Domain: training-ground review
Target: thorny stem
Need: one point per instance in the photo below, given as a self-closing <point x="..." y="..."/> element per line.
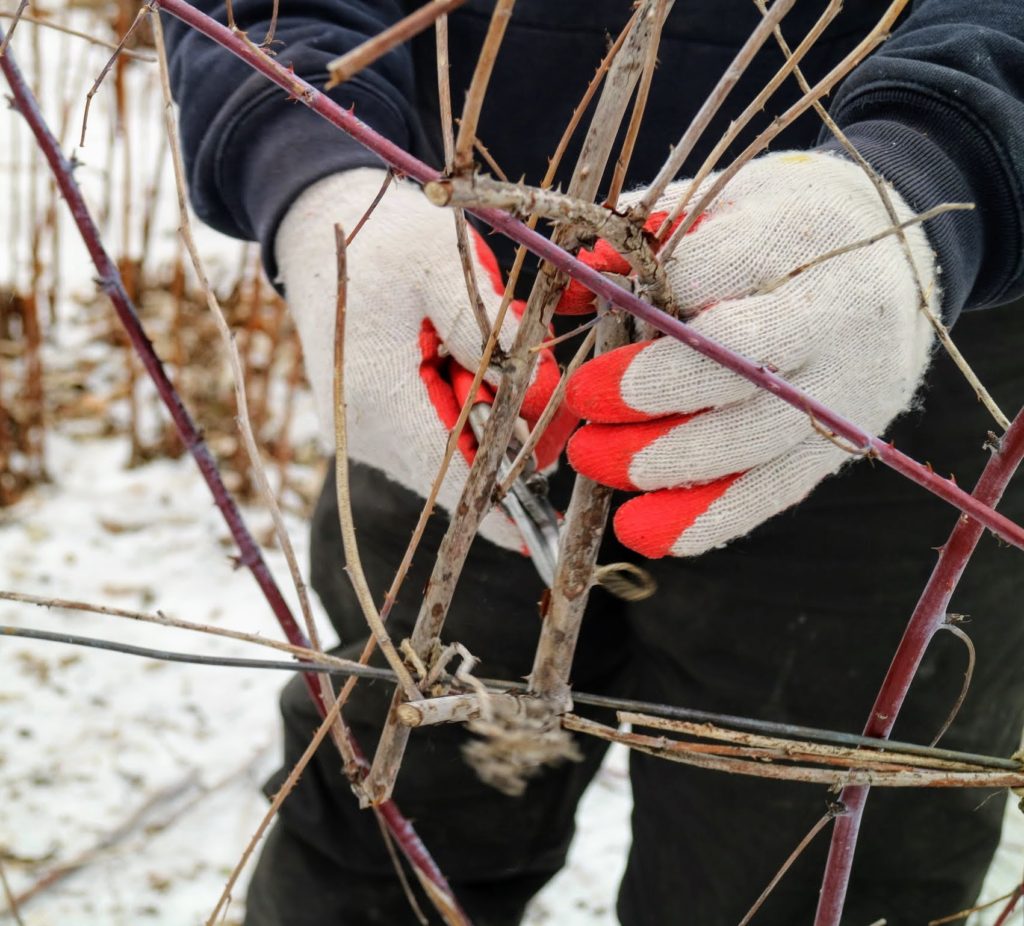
<point x="67" y="30"/>
<point x="143" y="11"/>
<point x="250" y="555"/>
<point x="580" y="544"/>
<point x="941" y="331"/>
<point x="871" y="41"/>
<point x="928" y="616"/>
<point x="756" y="373"/>
<point x="244" y="418"/>
<point x="362" y="56"/>
<point x="16" y="18"/>
<point x="477" y="492"/>
<point x="478" y="84"/>
<point x="110" y="282"/>
<point x="677" y="157"/>
<point x="588" y="219"/>
<point x="353" y="562"/>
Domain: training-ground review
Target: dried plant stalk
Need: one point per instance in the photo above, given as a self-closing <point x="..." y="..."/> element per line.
<point x="695" y="130"/>
<point x="546" y="416"/>
<point x="444" y="95"/>
<point x="660" y="14"/>
<point x="339" y="734"/>
<point x="477" y="492"/>
<point x="106" y="70"/>
<point x="12" y="903"/>
<point x="164" y="620"/>
<point x="771" y="285"/>
<point x="582" y="534"/>
<point x="16" y="17"/>
<point x="676" y="751"/>
<point x="858" y="756"/>
<point x="502" y="13"/>
<point x="868" y="44"/>
<point x="353" y="562"/>
<point x="392" y="594"/>
<point x="458" y="708"/>
<point x="941" y="331"/>
<point x="362" y="56"/>
<point x="786" y="865"/>
<point x="775" y="740"/>
<point x="330" y="720"/>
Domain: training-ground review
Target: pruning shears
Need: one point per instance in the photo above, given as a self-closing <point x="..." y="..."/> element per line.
<point x="526" y="504"/>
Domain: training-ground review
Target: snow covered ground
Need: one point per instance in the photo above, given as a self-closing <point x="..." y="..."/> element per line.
<point x="149" y="772"/>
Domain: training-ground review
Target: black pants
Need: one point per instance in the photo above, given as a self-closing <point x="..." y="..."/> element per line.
<point x="795" y="623"/>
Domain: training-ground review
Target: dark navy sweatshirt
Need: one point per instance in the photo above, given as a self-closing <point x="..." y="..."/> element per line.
<point x="938" y="109"/>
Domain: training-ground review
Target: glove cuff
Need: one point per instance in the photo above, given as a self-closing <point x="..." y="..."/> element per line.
<point x="340" y="198"/>
<point x="926" y="177"/>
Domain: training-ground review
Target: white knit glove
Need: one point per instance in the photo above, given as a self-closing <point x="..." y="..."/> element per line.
<point x="714" y="455"/>
<point x="406" y="295"/>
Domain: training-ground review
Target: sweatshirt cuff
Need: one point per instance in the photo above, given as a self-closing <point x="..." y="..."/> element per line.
<point x="271" y="150"/>
<point x="925" y="176"/>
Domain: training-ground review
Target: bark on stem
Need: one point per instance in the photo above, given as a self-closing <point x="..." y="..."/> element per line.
<point x="870" y="42"/>
<point x="478" y="85"/>
<point x="928" y="617"/>
<point x="478" y="491"/>
<point x="590" y="220"/>
<point x="754" y="372"/>
<point x="941" y="331"/>
<point x="675" y="751"/>
<point x="582" y="534"/>
<point x="353" y="561"/>
<point x="249" y="553"/>
<point x="362" y="56"/>
<point x="678" y="155"/>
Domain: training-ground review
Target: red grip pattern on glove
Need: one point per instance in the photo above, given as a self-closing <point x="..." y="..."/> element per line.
<point x="447" y="382"/>
<point x="577" y="299"/>
<point x="652" y="523"/>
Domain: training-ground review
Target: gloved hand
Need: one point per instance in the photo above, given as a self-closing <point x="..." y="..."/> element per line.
<point x="406" y="298"/>
<point x="714" y="455"/>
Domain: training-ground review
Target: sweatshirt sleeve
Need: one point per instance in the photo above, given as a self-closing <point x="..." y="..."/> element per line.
<point x="248" y="153"/>
<point x="938" y="110"/>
